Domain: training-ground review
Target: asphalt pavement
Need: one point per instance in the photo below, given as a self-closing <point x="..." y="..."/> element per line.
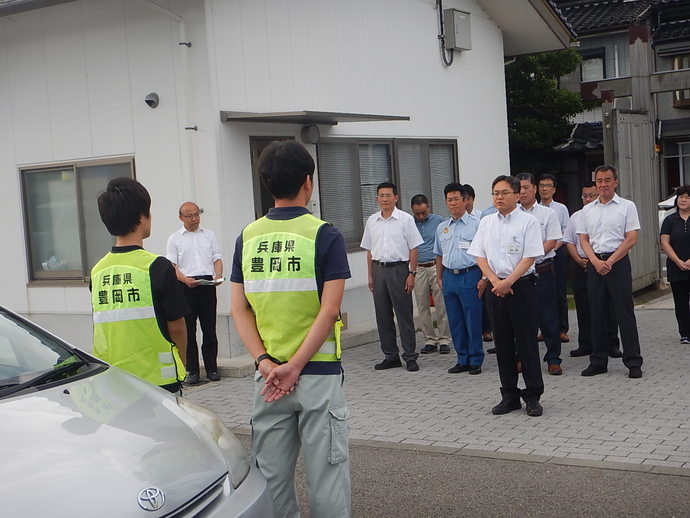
<point x="604" y="443"/>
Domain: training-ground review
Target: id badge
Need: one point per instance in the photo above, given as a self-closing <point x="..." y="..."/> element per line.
<point x="514" y="249"/>
<point x="463" y="245"/>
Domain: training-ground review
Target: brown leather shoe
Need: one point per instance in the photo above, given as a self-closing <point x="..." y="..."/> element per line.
<point x="555" y="370"/>
<point x="565" y="338"/>
<point x="540" y="337"/>
<point x="487" y="337"/>
<point x="518" y="366"/>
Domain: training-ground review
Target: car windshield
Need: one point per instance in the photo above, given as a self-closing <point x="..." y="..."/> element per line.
<point x="30" y="357"/>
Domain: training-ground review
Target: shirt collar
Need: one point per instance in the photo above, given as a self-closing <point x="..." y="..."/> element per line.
<point x="395" y="214"/>
<point x="531" y="209"/>
<point x="616" y="199"/>
<point x="185" y="231"/>
<point x="462" y="218"/>
<point x="509" y="216"/>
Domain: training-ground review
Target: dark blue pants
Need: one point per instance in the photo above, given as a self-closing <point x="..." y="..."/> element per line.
<point x="547" y="310"/>
<point x="464" y="310"/>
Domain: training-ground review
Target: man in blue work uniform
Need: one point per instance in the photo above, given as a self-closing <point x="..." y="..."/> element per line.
<point x="426" y="281"/>
<point x="461" y="280"/>
<point x="287" y="282"/>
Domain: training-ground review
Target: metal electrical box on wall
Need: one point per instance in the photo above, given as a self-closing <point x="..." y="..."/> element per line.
<point x="456" y="28"/>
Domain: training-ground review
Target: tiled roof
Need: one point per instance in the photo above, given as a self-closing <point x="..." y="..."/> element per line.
<point x="678" y="30"/>
<point x="585" y="136"/>
<point x="599" y="15"/>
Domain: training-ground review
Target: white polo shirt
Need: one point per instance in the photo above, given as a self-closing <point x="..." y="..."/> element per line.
<point x="607" y="223"/>
<point x="561" y="211"/>
<point x="548" y="226"/>
<point x="505" y="240"/>
<point x="570" y="234"/>
<point x="193" y="252"/>
<point x="390" y="240"/>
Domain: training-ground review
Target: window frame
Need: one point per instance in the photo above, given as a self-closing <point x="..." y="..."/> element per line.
<point x="62" y="278"/>
<point x="394" y="143"/>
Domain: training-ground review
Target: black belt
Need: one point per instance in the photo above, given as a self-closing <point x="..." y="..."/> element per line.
<point x="203" y="277"/>
<point x="458" y="271"/>
<point x="384" y="264"/>
<point x="426" y="265"/>
<point x="605" y="256"/>
<point x="546" y="261"/>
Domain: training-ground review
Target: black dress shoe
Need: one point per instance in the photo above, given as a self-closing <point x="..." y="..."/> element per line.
<point x="444" y="349"/>
<point x="635" y="372"/>
<point x="428" y="349"/>
<point x="534" y="409"/>
<point x="616" y="353"/>
<point x="491" y="350"/>
<point x="213" y="376"/>
<point x="388" y="364"/>
<point x="412" y="366"/>
<point x="505" y="406"/>
<point x="193" y="378"/>
<point x="592" y="370"/>
<point x="458" y="367"/>
<point x="475" y="369"/>
<point x="579" y="352"/>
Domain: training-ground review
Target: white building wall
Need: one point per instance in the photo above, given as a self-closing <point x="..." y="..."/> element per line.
<point x="73" y="80"/>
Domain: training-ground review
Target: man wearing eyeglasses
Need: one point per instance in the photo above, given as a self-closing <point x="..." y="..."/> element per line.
<point x="195" y="253"/>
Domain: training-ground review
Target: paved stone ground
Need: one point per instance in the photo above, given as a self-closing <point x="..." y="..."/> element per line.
<point x="606" y="420"/>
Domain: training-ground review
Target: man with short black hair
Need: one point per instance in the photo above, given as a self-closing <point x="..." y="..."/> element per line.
<point x="608" y="230"/>
<point x="138" y="309"/>
<point x="505" y="246"/>
<point x="391" y="240"/>
<point x="288" y="279"/>
<point x="547" y="188"/>
<point x="426" y="281"/>
<point x="469" y="202"/>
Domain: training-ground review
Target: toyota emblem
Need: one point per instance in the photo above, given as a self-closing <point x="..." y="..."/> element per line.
<point x="151" y="499"/>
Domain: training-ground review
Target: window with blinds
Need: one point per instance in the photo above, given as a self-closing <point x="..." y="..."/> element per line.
<point x="349" y="171"/>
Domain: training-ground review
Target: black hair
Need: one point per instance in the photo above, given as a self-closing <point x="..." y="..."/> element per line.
<point x="387" y="185"/>
<point x="122" y="205"/>
<point x="548" y="176"/>
<point x="470" y="190"/>
<point x="512" y="181"/>
<point x="683" y="189"/>
<point x="526" y="176"/>
<point x="588" y="185"/>
<point x="419" y="199"/>
<point x="455" y="187"/>
<point x="606" y="168"/>
<point x="283" y="168"/>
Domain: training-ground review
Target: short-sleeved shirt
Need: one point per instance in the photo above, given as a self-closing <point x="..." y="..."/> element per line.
<point x="453" y="239"/>
<point x="427" y="229"/>
<point x="607" y="223"/>
<point x="505" y="240"/>
<point x="548" y="225"/>
<point x="488" y="211"/>
<point x="193" y="252"/>
<point x="391" y="239"/>
<point x="677" y="229"/>
<point x="570" y="234"/>
<point x="331" y="253"/>
<point x="561" y="211"/>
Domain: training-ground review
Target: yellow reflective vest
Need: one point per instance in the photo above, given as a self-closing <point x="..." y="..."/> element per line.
<point x="125" y="329"/>
<point x="279" y="271"/>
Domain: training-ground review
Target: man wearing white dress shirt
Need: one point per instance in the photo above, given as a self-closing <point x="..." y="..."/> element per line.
<point x="547" y="297"/>
<point x="506" y="245"/>
<point x="391" y="239"/>
<point x="195" y="253"/>
<point x="584" y="323"/>
<point x="547" y="188"/>
<point x="608" y="230"/>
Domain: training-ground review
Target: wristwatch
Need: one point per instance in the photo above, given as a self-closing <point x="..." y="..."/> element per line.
<point x="412" y="273"/>
<point x="261" y="357"/>
<point x="485" y="278"/>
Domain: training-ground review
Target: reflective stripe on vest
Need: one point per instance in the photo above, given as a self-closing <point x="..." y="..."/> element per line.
<point x="279" y="271"/>
<point x="126" y="332"/>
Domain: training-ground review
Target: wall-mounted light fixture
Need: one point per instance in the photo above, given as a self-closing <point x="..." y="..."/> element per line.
<point x="152" y="100"/>
<point x="311" y="134"/>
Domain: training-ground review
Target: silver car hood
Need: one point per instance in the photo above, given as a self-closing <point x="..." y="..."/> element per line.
<point x="88" y="448"/>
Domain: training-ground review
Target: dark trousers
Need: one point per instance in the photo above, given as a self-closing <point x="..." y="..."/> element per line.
<point x="561" y="262"/>
<point x="681" y="301"/>
<point x="486" y="323"/>
<point x="584" y="323"/>
<point x="389" y="297"/>
<point x="514" y="319"/>
<point x="613" y="290"/>
<point x="202" y="302"/>
<point x="547" y="315"/>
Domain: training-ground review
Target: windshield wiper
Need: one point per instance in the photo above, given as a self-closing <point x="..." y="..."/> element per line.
<point x="61" y="370"/>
